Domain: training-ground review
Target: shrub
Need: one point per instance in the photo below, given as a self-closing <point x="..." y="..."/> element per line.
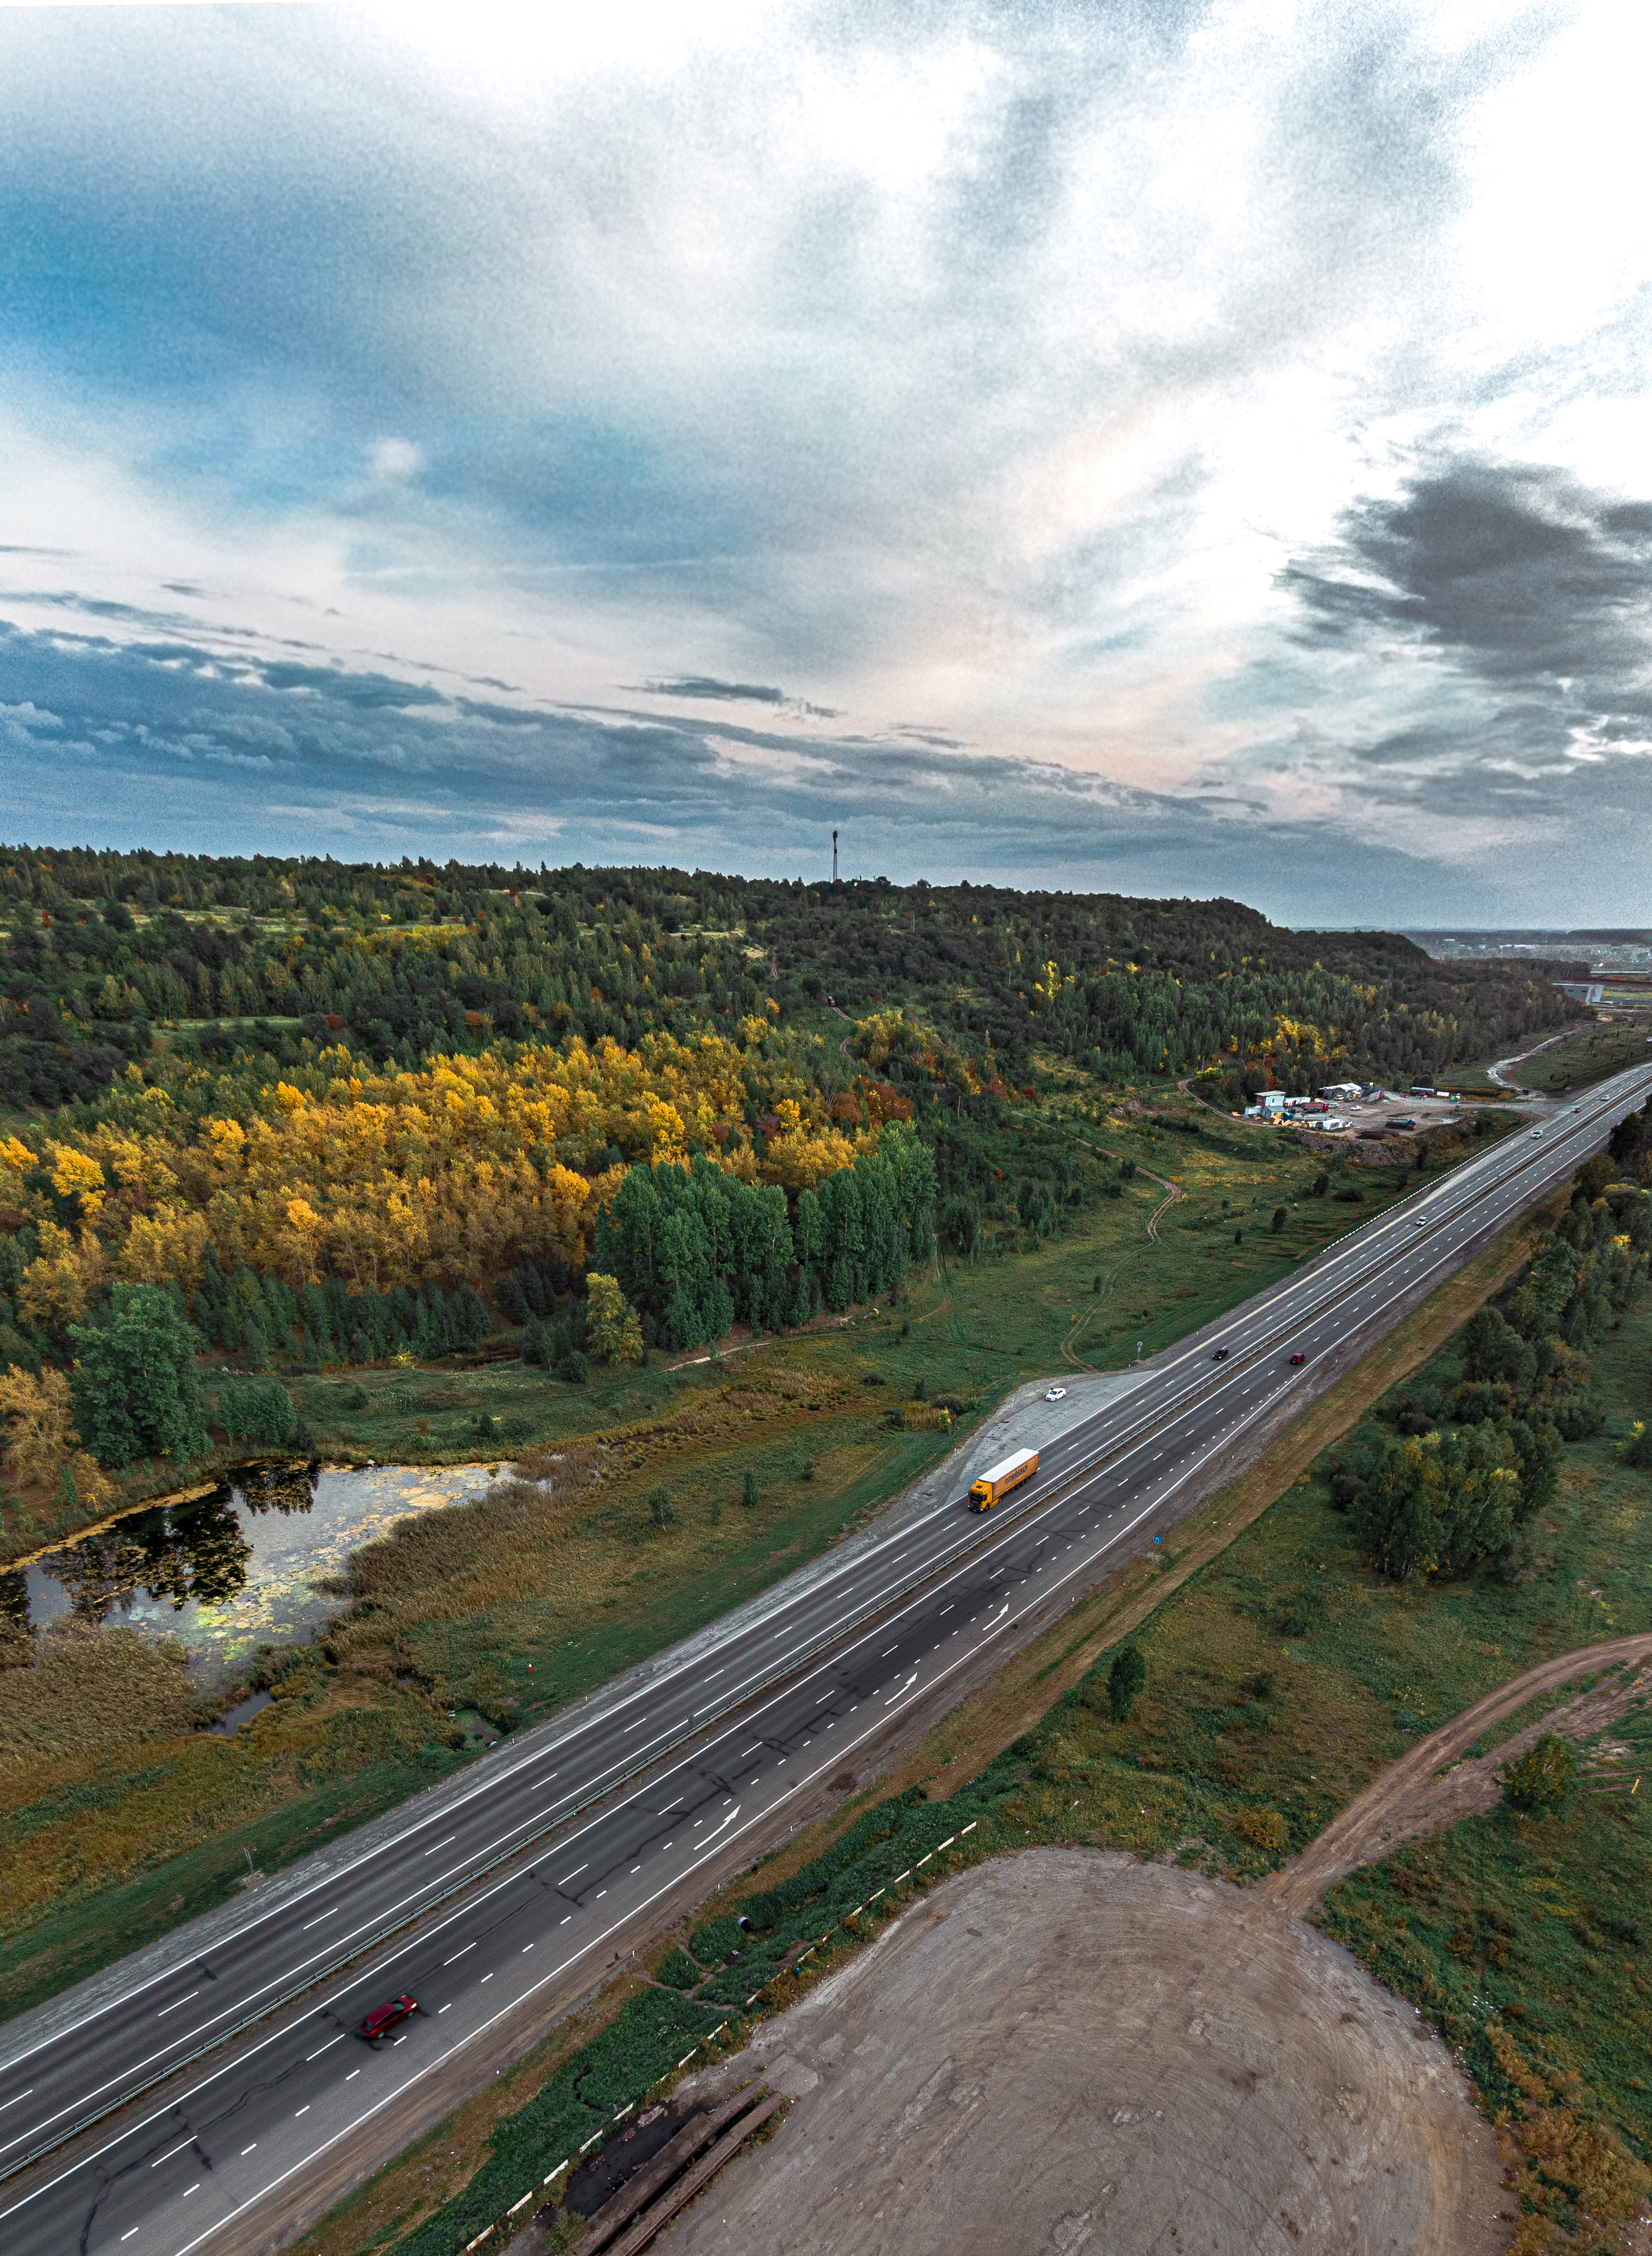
<point x="658" y="1501"/>
<point x="677" y="1970"/>
<point x="1265" y="1827"/>
<point x="748" y="1491"/>
<point x="1125" y="1681"/>
<point x="260" y="1410"/>
<point x="1279" y="1220"/>
<point x="1540" y="1777"/>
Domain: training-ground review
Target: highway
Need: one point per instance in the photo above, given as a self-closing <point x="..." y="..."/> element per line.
<point x="619" y="1809"/>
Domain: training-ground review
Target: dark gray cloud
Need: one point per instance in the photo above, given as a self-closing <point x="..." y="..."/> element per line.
<point x="1535" y="585"/>
<point x="704" y="685"/>
<point x="156" y="744"/>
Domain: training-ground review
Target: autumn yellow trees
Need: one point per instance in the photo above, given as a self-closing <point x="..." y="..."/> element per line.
<point x="43" y="1448"/>
<point x="391" y="1177"/>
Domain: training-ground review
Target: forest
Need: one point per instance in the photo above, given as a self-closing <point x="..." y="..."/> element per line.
<point x="105" y="952"/>
<point x="331" y="1114"/>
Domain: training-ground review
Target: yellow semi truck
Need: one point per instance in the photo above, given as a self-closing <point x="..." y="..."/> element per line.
<point x="997" y="1481"/>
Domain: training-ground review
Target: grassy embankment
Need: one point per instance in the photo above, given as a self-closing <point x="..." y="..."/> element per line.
<point x="1281" y="1676"/>
<point x="1580" y="1057"/>
<point x="119" y="1820"/>
<point x="1588" y="1053"/>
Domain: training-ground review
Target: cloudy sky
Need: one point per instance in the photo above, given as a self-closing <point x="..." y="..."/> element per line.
<point x="1177" y="448"/>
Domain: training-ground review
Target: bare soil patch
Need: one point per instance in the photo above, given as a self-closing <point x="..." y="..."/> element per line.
<point x="1068" y="2050"/>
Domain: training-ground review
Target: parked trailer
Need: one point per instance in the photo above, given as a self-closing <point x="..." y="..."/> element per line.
<point x="998" y="1480"/>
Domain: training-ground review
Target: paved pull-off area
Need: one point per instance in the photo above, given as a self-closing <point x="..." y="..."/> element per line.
<point x="1067" y="2050"/>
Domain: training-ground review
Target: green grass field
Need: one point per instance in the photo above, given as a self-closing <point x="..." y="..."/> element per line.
<point x="1590" y="1052"/>
<point x="1586" y="1056"/>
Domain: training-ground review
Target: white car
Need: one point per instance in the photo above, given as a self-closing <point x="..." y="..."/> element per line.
<point x="1535" y="1133"/>
<point x="1056" y="1394"/>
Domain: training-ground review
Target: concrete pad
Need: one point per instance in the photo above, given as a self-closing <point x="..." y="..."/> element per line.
<point x="1069" y="2051"/>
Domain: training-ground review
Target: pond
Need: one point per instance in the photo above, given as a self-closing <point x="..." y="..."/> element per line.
<point x="236" y="1569"/>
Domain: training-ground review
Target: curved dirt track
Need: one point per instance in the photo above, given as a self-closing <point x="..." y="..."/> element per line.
<point x="1067" y="2050"/>
<point x="1408" y="1799"/>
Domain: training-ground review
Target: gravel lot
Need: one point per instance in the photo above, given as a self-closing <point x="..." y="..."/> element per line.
<point x="1067" y="2050"/>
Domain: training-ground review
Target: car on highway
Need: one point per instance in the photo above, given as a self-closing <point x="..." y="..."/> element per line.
<point x="1056" y="1394"/>
<point x="1535" y="1133"/>
<point x="386" y="2017"/>
<point x="1220" y="1356"/>
<point x="1299" y="1357"/>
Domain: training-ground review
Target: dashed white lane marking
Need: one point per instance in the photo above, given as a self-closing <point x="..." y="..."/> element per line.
<point x="172" y="2008"/>
<point x="170" y="2152"/>
<point x="447" y="1844"/>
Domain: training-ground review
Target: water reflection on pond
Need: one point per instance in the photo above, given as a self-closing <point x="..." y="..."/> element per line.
<point x="235" y="1569"/>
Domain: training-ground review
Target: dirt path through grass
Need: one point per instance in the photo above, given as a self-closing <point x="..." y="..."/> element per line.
<point x="1410" y="1798"/>
<point x="1495" y="1072"/>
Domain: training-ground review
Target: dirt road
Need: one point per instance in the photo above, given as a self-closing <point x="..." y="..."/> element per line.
<point x="1410" y="1799"/>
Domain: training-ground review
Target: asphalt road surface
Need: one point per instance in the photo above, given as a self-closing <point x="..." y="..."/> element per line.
<point x="709" y="1750"/>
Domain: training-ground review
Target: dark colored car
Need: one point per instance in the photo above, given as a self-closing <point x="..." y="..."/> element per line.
<point x="1299" y="1357"/>
<point x="386" y="2017"/>
<point x="1220" y="1356"/>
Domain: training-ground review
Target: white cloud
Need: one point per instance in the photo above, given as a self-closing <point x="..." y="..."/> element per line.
<point x="396" y="460"/>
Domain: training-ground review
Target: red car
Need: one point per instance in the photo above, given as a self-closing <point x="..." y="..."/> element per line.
<point x="1299" y="1357"/>
<point x="386" y="2017"/>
